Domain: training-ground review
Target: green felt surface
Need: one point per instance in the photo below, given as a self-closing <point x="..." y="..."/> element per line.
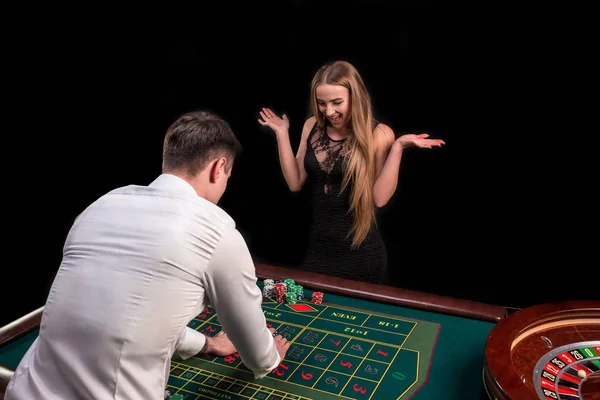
<point x="343" y="348"/>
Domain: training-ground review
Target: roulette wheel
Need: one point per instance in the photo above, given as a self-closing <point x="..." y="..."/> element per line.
<point x="547" y="351"/>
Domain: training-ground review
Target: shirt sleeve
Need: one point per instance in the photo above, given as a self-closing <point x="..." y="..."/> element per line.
<point x="231" y="287"/>
<point x="190" y="343"/>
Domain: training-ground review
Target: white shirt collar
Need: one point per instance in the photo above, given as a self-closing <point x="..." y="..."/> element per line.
<point x="172" y="182"/>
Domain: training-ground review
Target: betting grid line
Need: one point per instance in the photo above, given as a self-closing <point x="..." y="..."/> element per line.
<point x="185" y="369"/>
<point x="302" y="329"/>
<point x="373" y="329"/>
<point x="354" y="373"/>
<point x="363" y="358"/>
<point x="341" y="351"/>
<point x="231" y="382"/>
<point x="348" y="323"/>
<point x="279" y="307"/>
<point x="324" y="369"/>
<point x="367" y="340"/>
<point x="414" y="322"/>
<point x="206" y="320"/>
<point x="388" y="367"/>
<point x="362" y="311"/>
<point x="417" y="375"/>
<point x="418" y="364"/>
<point x="227" y="380"/>
<point x="389" y="364"/>
<point x="316" y="347"/>
<point x="369" y="315"/>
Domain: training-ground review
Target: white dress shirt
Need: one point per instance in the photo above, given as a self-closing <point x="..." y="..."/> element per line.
<point x="138" y="265"/>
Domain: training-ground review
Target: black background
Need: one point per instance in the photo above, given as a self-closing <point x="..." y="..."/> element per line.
<point x="502" y="214"/>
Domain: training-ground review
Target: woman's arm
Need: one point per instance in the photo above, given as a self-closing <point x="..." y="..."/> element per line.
<point x="388" y="155"/>
<point x="292" y="166"/>
<point x="387" y="164"/>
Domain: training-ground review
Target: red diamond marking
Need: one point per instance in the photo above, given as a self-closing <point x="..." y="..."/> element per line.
<point x="301" y="307"/>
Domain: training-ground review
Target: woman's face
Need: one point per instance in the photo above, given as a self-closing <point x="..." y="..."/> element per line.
<point x="334" y="102"/>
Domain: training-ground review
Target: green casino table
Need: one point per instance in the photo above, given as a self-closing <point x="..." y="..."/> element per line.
<point x="364" y="341"/>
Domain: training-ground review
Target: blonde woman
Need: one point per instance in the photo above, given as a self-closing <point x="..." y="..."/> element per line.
<point x="351" y="163"/>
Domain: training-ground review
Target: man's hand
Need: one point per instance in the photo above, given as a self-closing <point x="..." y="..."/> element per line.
<point x="281" y="343"/>
<point x="220" y="345"/>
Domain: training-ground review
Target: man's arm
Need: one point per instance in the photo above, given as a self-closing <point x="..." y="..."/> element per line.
<point x="230" y="284"/>
<point x="190" y="343"/>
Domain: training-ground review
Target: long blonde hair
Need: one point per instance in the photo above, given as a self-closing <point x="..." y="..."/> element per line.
<point x="358" y="147"/>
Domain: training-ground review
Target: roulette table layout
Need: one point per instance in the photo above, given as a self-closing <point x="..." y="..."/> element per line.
<point x="548" y="352"/>
<point x="363" y="342"/>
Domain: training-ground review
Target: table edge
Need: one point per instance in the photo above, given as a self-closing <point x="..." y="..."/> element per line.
<point x="385" y="294"/>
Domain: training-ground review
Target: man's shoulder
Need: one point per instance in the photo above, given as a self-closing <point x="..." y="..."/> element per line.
<point x="194" y="204"/>
<point x="218" y="213"/>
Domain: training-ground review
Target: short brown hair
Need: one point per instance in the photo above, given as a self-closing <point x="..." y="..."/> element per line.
<point x="196" y="138"/>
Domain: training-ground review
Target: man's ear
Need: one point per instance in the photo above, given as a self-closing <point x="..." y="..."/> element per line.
<point x="217" y="168"/>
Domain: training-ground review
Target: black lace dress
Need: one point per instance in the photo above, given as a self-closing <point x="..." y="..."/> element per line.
<point x="329" y="250"/>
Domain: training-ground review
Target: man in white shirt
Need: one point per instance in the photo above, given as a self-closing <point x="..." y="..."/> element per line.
<point x="138" y="265"/>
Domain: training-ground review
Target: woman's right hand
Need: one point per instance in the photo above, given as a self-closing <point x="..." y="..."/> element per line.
<point x="279" y="125"/>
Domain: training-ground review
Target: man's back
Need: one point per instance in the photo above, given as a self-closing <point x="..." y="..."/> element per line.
<point x="130" y="280"/>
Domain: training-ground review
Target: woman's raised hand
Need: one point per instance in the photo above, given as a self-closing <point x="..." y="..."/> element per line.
<point x="273" y="121"/>
<point x="422" y="140"/>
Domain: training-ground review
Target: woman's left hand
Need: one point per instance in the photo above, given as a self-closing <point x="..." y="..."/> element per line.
<point x="421" y="140"/>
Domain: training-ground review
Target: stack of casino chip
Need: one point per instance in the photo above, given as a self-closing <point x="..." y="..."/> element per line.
<point x="283" y="291"/>
<point x="317" y="298"/>
<point x="298" y="291"/>
<point x="289" y="284"/>
<point x="291" y="298"/>
<point x="280" y="291"/>
<point x="295" y="293"/>
<point x="268" y="285"/>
